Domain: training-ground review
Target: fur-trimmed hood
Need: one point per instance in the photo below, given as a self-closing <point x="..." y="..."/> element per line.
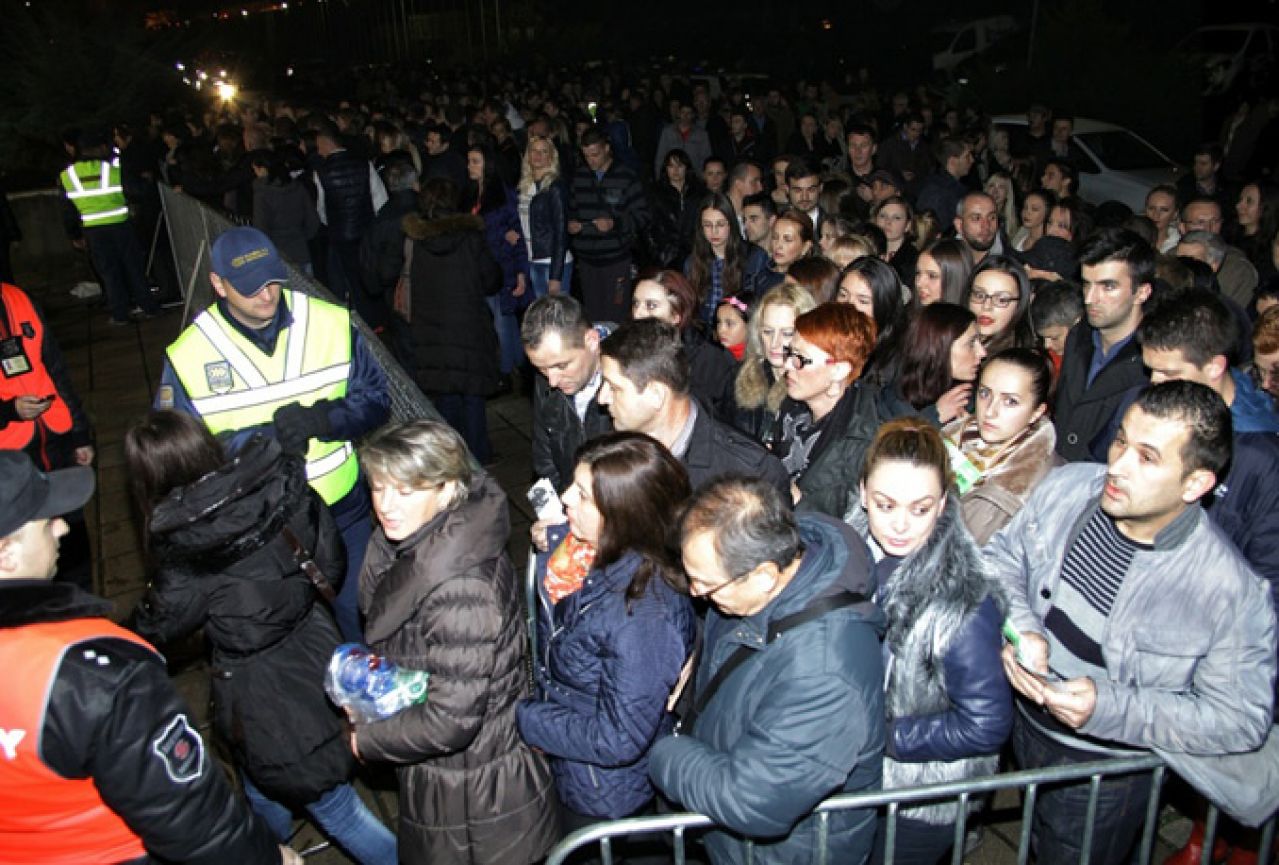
<point x="946" y="575"/>
<point x="444" y="234"/>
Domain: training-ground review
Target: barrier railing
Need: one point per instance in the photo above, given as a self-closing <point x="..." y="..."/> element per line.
<point x="1029" y="782"/>
<point x="193" y="226"/>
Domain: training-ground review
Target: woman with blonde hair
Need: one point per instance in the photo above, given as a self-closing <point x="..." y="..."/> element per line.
<point x="439" y="594"/>
<point x="759" y="389"/>
<point x="543" y="208"/>
<point x="999" y="186"/>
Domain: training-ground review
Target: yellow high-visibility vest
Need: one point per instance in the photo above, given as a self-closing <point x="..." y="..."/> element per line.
<point x="95" y="189"/>
<point x="233" y="384"/>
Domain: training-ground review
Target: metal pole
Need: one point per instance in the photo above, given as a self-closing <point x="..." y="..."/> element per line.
<point x="1030" y="42"/>
<point x="497" y="22"/>
<point x="484" y="39"/>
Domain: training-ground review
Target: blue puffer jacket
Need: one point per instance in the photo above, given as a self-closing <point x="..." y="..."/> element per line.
<point x="513" y="257"/>
<point x="603" y="678"/>
<point x="800" y="721"/>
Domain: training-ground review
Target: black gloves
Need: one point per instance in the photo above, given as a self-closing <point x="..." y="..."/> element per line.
<point x="296" y="425"/>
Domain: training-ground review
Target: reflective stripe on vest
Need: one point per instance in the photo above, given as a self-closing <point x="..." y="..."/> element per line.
<point x="43" y="816"/>
<point x="233" y="385"/>
<point x="17" y="433"/>
<point x="102" y="201"/>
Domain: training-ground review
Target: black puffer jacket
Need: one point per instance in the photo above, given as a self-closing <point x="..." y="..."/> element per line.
<point x="225" y="566"/>
<point x="454" y="343"/>
<point x="446" y="600"/>
<point x="348" y="200"/>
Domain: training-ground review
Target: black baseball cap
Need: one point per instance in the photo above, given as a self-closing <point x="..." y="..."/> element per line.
<point x="27" y="494"/>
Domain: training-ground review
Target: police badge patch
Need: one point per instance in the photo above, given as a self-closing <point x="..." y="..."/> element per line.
<point x="181" y="750"/>
<point x="218" y="376"/>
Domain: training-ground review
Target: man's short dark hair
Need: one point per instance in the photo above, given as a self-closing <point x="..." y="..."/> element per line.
<point x="740" y="170"/>
<point x="1059" y="303"/>
<point x="1205" y="415"/>
<point x="749" y="522"/>
<point x="1121" y="246"/>
<point x="1067" y="170"/>
<point x="950" y="148"/>
<point x="558" y="313"/>
<point x="801" y="167"/>
<point x="649" y="350"/>
<point x="1200" y="198"/>
<point x="1212" y="150"/>
<point x="400" y="175"/>
<point x="592" y="136"/>
<point x="860" y="129"/>
<point x="763" y="201"/>
<point x="1197" y="322"/>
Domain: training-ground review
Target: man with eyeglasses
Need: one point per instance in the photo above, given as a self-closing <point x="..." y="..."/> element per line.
<point x="645" y="387"/>
<point x="801" y="717"/>
<point x="1235" y="273"/>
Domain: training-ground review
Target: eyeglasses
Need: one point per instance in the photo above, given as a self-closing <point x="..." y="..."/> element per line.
<point x="1001" y="300"/>
<point x="799" y="361"/>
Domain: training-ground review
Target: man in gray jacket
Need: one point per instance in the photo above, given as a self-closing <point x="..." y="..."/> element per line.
<point x="1141" y="625"/>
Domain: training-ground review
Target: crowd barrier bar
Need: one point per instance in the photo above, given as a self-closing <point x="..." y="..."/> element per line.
<point x="1027" y="781"/>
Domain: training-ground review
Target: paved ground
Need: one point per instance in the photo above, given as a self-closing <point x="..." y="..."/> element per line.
<point x="116" y="371"/>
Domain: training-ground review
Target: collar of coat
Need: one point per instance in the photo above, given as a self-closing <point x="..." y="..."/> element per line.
<point x="418" y="227"/>
<point x="947" y="570"/>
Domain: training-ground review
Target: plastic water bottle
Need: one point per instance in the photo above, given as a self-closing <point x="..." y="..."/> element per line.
<point x="370" y="687"/>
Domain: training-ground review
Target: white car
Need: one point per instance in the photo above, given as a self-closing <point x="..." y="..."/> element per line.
<point x="1115" y="164"/>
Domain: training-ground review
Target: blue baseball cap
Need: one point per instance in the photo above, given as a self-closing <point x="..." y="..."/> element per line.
<point x="246" y="258"/>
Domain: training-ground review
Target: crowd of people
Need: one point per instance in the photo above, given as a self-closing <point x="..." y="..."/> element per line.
<point x="873" y="455"/>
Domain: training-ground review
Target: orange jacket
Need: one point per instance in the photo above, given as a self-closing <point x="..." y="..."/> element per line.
<point x="44" y="817"/>
<point x="22" y="323"/>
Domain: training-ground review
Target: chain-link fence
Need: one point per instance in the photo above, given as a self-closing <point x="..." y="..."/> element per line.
<point x="193" y="226"/>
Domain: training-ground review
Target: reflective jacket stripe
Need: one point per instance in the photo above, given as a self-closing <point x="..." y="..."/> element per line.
<point x="329" y="462"/>
<point x="269" y="393"/>
<point x="295" y="351"/>
<point x="239" y="361"/>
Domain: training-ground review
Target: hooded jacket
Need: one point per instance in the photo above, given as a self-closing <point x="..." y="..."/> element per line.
<point x="223" y="565"/>
<point x="799" y="722"/>
<point x="607" y="666"/>
<point x="454" y="341"/>
<point x="948" y="702"/>
<point x="445" y="600"/>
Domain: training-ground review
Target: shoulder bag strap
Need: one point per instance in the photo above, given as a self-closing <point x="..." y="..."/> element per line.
<point x="815" y="610"/>
<point x="308" y="565"/>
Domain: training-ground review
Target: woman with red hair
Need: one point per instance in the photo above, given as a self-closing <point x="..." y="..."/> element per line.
<point x="827" y="421"/>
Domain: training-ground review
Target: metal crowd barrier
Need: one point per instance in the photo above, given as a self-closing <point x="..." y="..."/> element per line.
<point x="193" y="226"/>
<point x="1029" y="782"/>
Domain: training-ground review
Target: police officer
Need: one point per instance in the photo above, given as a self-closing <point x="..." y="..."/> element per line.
<point x="99" y="759"/>
<point x="266" y="358"/>
<point x="93" y="185"/>
<point x="40" y="412"/>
